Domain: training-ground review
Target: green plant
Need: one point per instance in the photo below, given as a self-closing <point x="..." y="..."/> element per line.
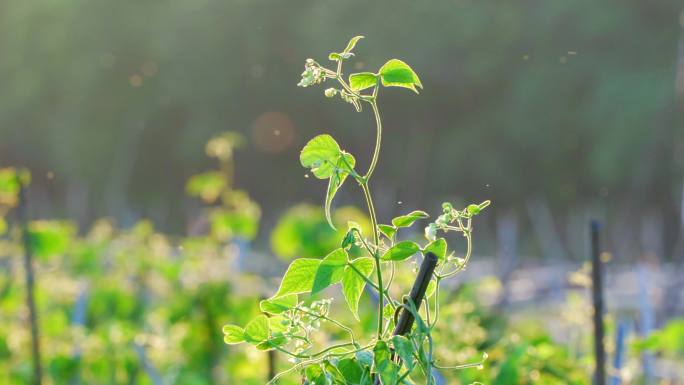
<point x="233" y="213"/>
<point x="387" y="359"/>
<point x="93" y="328"/>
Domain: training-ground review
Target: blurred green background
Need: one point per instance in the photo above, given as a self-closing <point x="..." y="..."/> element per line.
<point x="566" y="108"/>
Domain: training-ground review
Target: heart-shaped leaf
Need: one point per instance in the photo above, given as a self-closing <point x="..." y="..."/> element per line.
<point x="299" y="277"/>
<point x="396" y="73"/>
<point x="321" y="154"/>
<point x="233" y="334"/>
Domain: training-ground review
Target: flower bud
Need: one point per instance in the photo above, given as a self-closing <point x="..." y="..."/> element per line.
<point x="330" y="92"/>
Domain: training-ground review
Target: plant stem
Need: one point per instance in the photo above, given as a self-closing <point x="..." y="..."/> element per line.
<point x="371" y="209"/>
<point x="378" y="139"/>
<point x="376" y="255"/>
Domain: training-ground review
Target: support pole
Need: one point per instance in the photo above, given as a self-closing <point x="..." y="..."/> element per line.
<point x="22" y="214"/>
<point x="597" y="295"/>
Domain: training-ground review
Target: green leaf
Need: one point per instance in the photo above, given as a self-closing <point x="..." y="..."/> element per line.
<point x="330" y="270"/>
<point x="408" y="219"/>
<point x="396" y="73"/>
<point x="278" y="305"/>
<point x="362" y="80"/>
<point x="353" y="283"/>
<point x="334" y="56"/>
<point x="401" y="251"/>
<point x="347" y="241"/>
<point x="334" y="373"/>
<point x="437" y="247"/>
<point x="324" y="157"/>
<point x="352" y="43"/>
<point x="343" y="166"/>
<point x="387" y="231"/>
<point x="277" y="324"/>
<point x="233" y="334"/>
<point x="256" y="330"/>
<point x="315" y="375"/>
<point x="351" y="370"/>
<point x="404" y="349"/>
<point x="272" y="342"/>
<point x="299" y="277"/>
<point x="387" y="369"/>
<point x="364" y="357"/>
<point x="321" y="154"/>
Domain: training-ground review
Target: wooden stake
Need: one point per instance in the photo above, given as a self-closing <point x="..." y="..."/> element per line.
<point x="22" y="214"/>
<point x="597" y="295"/>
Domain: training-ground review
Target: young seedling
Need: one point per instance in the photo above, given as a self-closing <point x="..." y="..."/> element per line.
<point x="389" y="357"/>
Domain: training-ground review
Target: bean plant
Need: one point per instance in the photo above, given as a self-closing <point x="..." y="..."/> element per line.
<point x="294" y="312"/>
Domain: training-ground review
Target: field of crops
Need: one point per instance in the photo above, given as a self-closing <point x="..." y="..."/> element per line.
<point x="136" y="306"/>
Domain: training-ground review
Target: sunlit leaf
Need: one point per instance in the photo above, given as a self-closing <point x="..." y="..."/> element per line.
<point x="315" y="375"/>
<point x="272" y="342"/>
<point x="352" y="43"/>
<point x="387" y="231"/>
<point x="438" y="247"/>
<point x="408" y="219"/>
<point x="321" y="154"/>
<point x="362" y="80"/>
<point x="330" y="270"/>
<point x="299" y="277"/>
<point x="353" y="283"/>
<point x="233" y="334"/>
<point x="396" y="73"/>
<point x="279" y="304"/>
<point x="344" y="165"/>
<point x="256" y="330"/>
<point x="401" y="251"/>
<point x="340" y="56"/>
